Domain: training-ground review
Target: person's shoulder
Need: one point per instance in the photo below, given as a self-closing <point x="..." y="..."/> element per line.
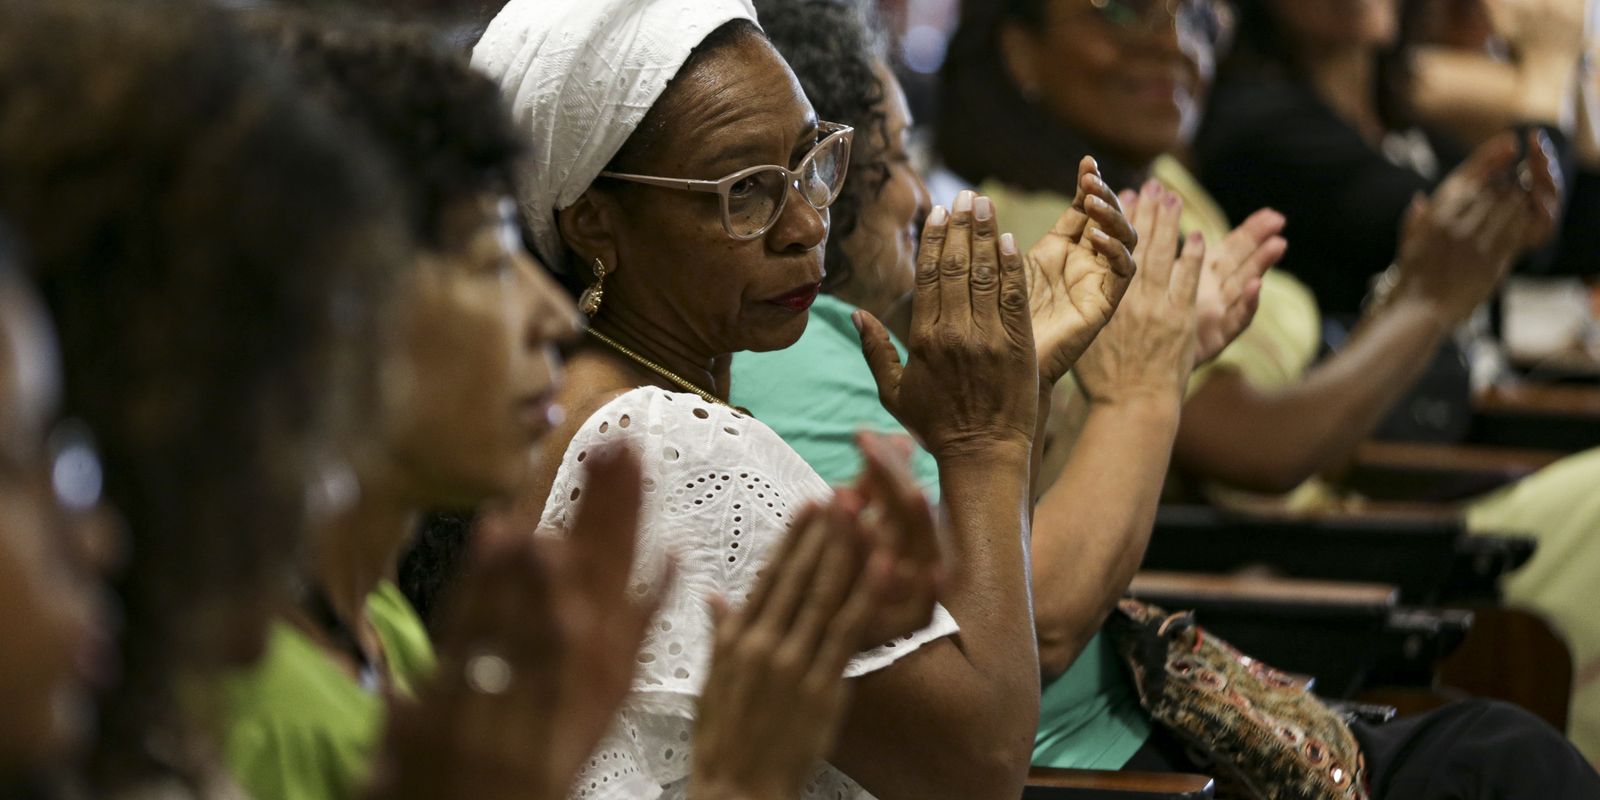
<point x="1261" y="94"/>
<point x="293" y="680"/>
<point x="405" y="637"/>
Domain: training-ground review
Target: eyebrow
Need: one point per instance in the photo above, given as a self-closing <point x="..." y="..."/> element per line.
<point x="807" y="137"/>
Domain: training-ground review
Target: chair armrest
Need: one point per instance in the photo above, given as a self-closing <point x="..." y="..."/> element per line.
<point x="1256" y="594"/>
<point x="1411" y="549"/>
<point x="1090" y="784"/>
<point x="1422" y="548"/>
<point x="1554" y="417"/>
<point x="1436" y="473"/>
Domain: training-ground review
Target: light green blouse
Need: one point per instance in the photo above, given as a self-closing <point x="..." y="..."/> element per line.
<point x="816" y="395"/>
<point x="297" y="727"/>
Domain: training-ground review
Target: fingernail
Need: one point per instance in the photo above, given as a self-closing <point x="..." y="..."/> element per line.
<point x="1171" y="200"/>
<point x="1099" y="235"/>
<point x="1150" y="186"/>
<point x="1093" y="163"/>
<point x="937" y="216"/>
<point x="1008" y="244"/>
<point x="963" y="202"/>
<point x="983" y="209"/>
<point x="856" y="319"/>
<point x="1096" y="202"/>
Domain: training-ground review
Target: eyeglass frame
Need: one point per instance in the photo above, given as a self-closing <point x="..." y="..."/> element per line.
<point x="723" y="185"/>
<point x="1171" y="9"/>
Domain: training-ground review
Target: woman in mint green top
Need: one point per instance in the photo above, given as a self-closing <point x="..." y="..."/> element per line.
<point x="816" y="395"/>
<point x="469" y="373"/>
<point x="1088" y="527"/>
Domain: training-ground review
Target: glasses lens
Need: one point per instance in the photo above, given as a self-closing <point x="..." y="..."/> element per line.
<point x="755" y="200"/>
<point x="823" y="173"/>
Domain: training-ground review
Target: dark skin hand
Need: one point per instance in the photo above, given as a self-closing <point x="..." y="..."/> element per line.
<point x="956" y="717"/>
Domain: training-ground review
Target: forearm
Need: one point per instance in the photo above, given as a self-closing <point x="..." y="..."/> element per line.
<point x="1041" y="437"/>
<point x="956" y="718"/>
<point x="1092" y="526"/>
<point x="1274" y="440"/>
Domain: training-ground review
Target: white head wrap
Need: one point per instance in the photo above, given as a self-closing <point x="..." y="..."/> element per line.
<point x="579" y="76"/>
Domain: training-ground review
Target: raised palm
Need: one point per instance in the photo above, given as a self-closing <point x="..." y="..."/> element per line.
<point x="1078" y="273"/>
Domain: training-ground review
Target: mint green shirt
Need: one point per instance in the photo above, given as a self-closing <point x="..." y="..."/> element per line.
<point x="297" y="726"/>
<point x="816" y="395"/>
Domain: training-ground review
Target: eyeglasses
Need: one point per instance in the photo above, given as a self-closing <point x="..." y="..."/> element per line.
<point x="1132" y="17"/>
<point x="753" y="198"/>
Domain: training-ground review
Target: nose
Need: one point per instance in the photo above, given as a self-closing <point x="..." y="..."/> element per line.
<point x="799" y="227"/>
<point x="552" y="316"/>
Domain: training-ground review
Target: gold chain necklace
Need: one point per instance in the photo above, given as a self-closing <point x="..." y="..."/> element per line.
<point x="671" y="376"/>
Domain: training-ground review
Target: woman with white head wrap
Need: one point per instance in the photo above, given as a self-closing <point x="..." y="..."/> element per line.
<point x="681" y="180"/>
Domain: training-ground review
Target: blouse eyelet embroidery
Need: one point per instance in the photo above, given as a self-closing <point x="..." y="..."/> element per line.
<point x="718" y="496"/>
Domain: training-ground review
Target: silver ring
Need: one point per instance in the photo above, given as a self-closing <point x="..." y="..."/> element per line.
<point x="488" y="673"/>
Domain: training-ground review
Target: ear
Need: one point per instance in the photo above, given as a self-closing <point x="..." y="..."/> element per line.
<point x="588" y="226"/>
<point x="1020" y="51"/>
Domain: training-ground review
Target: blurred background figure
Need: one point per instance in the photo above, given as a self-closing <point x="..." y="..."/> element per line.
<point x="198" y="320"/>
<point x="57" y="622"/>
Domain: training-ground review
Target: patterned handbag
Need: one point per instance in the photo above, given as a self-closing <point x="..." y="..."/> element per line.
<point x="1256" y="731"/>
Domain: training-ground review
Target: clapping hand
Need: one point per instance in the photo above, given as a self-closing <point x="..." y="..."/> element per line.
<point x="1457" y="246"/>
<point x="895" y="516"/>
<point x="1230" y="282"/>
<point x="772" y="704"/>
<point x="971" y="383"/>
<point x="1077" y="274"/>
<point x="1147" y="351"/>
<point x="537" y="653"/>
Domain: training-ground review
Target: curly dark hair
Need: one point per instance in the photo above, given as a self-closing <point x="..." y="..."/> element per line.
<point x="202" y="237"/>
<point x="832" y="46"/>
<point x="442" y="128"/>
<point x="439" y="124"/>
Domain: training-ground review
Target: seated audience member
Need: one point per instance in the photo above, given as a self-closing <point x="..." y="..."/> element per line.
<point x="198" y="234"/>
<point x="629" y="108"/>
<point x="1312" y="116"/>
<point x="56" y="622"/>
<point x="466" y="389"/>
<point x="1269" y="417"/>
<point x="1092" y="522"/>
<point x="471" y="380"/>
<point x="1002" y="49"/>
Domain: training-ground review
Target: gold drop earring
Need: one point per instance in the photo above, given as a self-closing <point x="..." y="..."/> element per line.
<point x="589" y="301"/>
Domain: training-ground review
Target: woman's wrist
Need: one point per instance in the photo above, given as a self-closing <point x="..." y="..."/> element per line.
<point x="985" y="451"/>
<point x="1143" y="408"/>
<point x="1439" y="315"/>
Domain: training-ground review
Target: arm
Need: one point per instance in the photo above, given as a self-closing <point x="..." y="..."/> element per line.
<point x="956" y="718"/>
<point x="1271" y="441"/>
<point x="1078" y="273"/>
<point x="1456" y="250"/>
<point x="1092" y="525"/>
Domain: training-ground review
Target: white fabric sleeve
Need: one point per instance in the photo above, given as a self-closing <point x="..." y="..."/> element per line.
<point x="719" y="490"/>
